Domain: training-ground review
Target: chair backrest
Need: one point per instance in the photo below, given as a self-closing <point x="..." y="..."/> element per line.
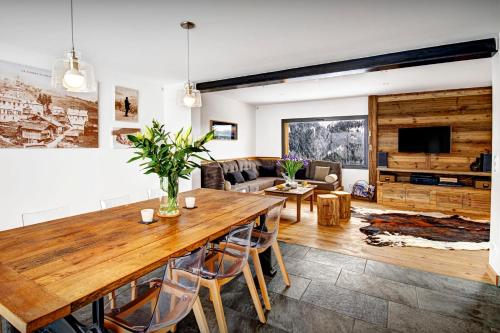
<point x="30" y="218"/>
<point x="154" y="193"/>
<point x="267" y="231"/>
<point x="115" y="201"/>
<point x="233" y="251"/>
<point x="160" y="303"/>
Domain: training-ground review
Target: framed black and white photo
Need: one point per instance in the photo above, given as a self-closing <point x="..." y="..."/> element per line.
<point x="339" y="139"/>
<point x="224" y="130"/>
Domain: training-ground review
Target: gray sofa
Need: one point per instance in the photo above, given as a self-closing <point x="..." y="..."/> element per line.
<point x="213" y="175"/>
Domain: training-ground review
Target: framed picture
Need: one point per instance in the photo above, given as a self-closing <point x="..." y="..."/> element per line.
<point x="35" y="115"/>
<point x="126" y="104"/>
<point x="337" y="139"/>
<point x="120" y="139"/>
<point x="224" y="130"/>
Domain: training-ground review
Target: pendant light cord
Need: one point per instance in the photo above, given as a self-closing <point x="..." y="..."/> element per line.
<point x="72" y="32"/>
<point x="187" y="53"/>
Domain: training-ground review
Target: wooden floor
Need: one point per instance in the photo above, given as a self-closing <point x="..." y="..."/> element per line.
<point x="348" y="239"/>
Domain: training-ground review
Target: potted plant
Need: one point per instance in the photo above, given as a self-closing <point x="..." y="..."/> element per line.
<point x="291" y="164"/>
<point x="170" y="157"/>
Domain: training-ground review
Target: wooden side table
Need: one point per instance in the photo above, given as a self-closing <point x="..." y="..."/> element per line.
<point x="328" y="209"/>
<point x="344" y="205"/>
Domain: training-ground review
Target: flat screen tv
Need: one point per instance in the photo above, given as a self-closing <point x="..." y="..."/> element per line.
<point x="431" y="140"/>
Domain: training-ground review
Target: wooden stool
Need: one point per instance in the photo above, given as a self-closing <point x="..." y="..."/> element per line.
<point x="344" y="205"/>
<point x="328" y="209"/>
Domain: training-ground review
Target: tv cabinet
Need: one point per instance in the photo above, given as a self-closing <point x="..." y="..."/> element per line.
<point x="462" y="200"/>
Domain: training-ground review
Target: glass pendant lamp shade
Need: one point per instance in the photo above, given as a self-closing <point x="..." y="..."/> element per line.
<point x="189" y="96"/>
<point x="72" y="74"/>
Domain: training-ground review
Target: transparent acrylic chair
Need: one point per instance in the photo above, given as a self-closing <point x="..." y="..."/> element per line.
<point x="160" y="303"/>
<point x="30" y="218"/>
<point x="115" y="201"/>
<point x="226" y="261"/>
<point x="264" y="237"/>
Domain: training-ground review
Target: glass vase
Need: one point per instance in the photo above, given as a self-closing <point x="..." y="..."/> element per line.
<point x="289" y="180"/>
<point x="169" y="206"/>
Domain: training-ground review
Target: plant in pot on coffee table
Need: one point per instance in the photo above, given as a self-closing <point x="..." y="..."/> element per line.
<point x="291" y="164"/>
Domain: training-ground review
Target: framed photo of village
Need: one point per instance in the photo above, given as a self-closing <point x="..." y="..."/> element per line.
<point x="35" y="115"/>
<point x="126" y="104"/>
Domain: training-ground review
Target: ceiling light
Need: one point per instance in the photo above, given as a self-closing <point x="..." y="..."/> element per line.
<point x="72" y="74"/>
<point x="189" y="96"/>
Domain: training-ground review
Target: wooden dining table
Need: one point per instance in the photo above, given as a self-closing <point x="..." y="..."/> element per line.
<point x="51" y="269"/>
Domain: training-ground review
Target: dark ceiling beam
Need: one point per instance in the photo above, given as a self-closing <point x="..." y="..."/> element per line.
<point x="476" y="49"/>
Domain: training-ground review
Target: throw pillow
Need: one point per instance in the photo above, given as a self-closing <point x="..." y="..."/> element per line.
<point x="235" y="177"/>
<point x="227" y="186"/>
<point x="301" y="174"/>
<point x="321" y="172"/>
<point x="330" y="179"/>
<point x="249" y="174"/>
<point x="267" y="171"/>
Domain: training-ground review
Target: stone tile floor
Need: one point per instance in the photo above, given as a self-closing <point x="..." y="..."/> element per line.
<point x="333" y="292"/>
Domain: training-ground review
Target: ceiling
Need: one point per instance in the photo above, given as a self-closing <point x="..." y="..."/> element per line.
<point x="460" y="74"/>
<point x="239" y="37"/>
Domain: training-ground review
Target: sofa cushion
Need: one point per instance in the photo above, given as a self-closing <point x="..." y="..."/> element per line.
<point x="335" y="167"/>
<point x="301" y="173"/>
<point x="229" y="166"/>
<point x="249" y="174"/>
<point x="243" y="187"/>
<point x="260" y="183"/>
<point x="235" y="177"/>
<point x="247" y="165"/>
<point x="267" y="171"/>
<point x="320" y="172"/>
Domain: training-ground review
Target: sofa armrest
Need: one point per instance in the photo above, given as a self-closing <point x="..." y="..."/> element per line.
<point x="212" y="176"/>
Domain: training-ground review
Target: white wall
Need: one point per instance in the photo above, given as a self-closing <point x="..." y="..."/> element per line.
<point x="221" y="108"/>
<point x="268" y="125"/>
<point x="38" y="179"/>
<point x="495" y="191"/>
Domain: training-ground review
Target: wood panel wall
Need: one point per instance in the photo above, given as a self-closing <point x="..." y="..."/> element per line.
<point x="467" y="111"/>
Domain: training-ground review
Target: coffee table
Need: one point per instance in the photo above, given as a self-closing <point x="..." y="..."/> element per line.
<point x="300" y="193"/>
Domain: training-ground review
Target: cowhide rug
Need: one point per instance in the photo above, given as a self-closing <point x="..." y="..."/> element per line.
<point x="419" y="229"/>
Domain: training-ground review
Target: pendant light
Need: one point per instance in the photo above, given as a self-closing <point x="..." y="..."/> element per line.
<point x="189" y="96"/>
<point x="72" y="74"/>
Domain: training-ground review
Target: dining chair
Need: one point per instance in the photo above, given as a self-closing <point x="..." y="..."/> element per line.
<point x="115" y="201"/>
<point x="30" y="218"/>
<point x="162" y="302"/>
<point x="225" y="261"/>
<point x="154" y="193"/>
<point x="263" y="238"/>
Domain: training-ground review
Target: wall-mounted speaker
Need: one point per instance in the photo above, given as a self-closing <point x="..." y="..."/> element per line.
<point x="382" y="159"/>
<point x="485" y="161"/>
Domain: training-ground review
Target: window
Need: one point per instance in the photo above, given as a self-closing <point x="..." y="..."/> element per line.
<point x="339" y="139"/>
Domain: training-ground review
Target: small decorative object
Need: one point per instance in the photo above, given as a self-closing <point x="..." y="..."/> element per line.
<point x="362" y="190"/>
<point x="291" y="164"/>
<point x="72" y="74"/>
<point x="126" y="104"/>
<point x="120" y="139"/>
<point x="223" y="130"/>
<point x="170" y="157"/>
<point x="190" y="202"/>
<point x="147" y="215"/>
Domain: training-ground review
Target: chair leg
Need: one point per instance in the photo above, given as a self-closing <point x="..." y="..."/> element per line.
<point x="253" y="292"/>
<point x="133" y="286"/>
<point x="112" y="301"/>
<point x="260" y="277"/>
<point x="200" y="316"/>
<point x="217" y="302"/>
<point x="277" y="252"/>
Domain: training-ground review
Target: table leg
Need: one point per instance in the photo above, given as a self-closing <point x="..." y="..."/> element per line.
<point x="265" y="257"/>
<point x="98" y="317"/>
<point x="311" y="205"/>
<point x="299" y="208"/>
